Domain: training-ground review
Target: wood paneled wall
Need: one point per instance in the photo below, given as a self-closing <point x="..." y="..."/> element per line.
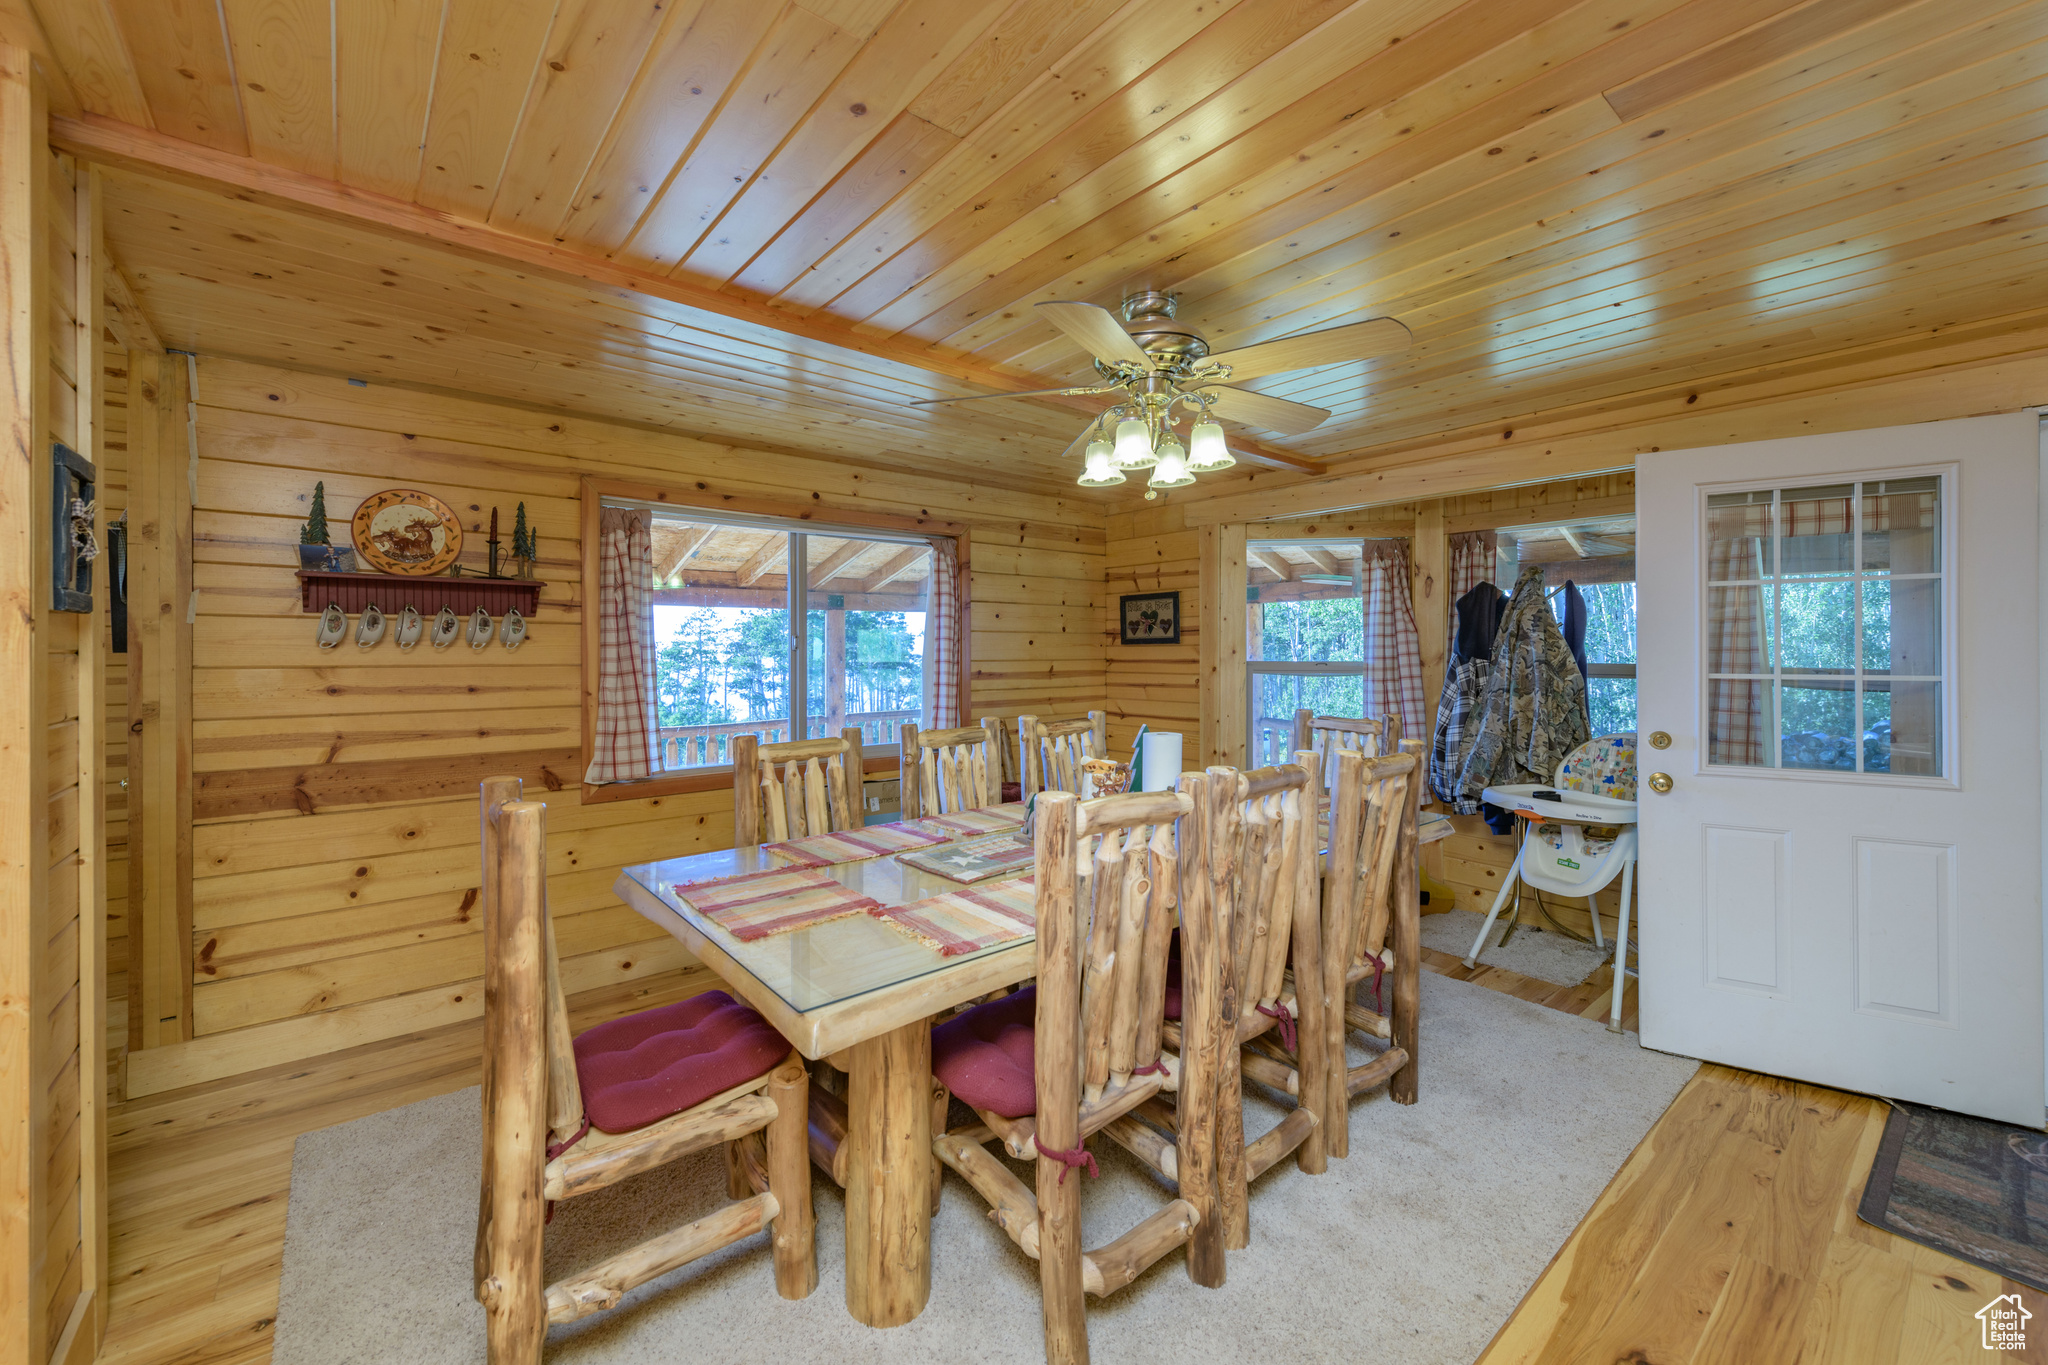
<point x="333" y="835"/>
<point x="52" y="926"/>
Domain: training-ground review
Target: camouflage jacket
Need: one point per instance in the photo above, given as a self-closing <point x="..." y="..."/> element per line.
<point x="1534" y="710"/>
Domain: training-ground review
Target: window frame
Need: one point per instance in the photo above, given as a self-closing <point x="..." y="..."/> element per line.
<point x="1951" y="597"/>
<point x="1254" y="669"/>
<point x="799" y="518"/>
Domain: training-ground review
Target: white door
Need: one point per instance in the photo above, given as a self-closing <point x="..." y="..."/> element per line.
<point x="1843" y="882"/>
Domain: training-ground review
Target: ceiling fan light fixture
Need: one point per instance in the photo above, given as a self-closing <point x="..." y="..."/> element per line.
<point x="1100" y="473"/>
<point x="1207" y="451"/>
<point x="1134" y="445"/>
<point x="1172" y="470"/>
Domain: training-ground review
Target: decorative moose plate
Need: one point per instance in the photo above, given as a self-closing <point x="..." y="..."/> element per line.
<point x="402" y="530"/>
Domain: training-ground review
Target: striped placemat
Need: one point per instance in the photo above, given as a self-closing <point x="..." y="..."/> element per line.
<point x="773" y="902"/>
<point x="986" y="820"/>
<point x="852" y="845"/>
<point x="967" y="921"/>
<point x="973" y="860"/>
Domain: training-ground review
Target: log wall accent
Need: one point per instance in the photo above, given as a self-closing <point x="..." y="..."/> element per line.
<point x="333" y="886"/>
<point x="52" y="709"/>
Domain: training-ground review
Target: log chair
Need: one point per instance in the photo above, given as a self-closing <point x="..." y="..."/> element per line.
<point x="806" y="786"/>
<point x="1094" y="1024"/>
<point x="1372" y="927"/>
<point x="1264" y="899"/>
<point x="944" y="771"/>
<point x="541" y="1139"/>
<point x="1050" y="752"/>
<point x="1329" y="736"/>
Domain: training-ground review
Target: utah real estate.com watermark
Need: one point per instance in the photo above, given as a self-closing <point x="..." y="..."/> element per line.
<point x="2005" y="1323"/>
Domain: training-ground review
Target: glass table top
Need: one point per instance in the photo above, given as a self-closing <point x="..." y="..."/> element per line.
<point x="833" y="962"/>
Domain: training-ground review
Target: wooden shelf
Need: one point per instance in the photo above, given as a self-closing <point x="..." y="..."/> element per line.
<point x="393" y="593"/>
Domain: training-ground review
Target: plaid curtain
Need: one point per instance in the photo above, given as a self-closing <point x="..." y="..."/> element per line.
<point x="1393" y="651"/>
<point x="623" y="746"/>
<point x="1471" y="565"/>
<point x="943" y="634"/>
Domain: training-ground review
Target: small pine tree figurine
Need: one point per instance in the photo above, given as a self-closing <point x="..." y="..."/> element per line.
<point x="522" y="542"/>
<point x="314" y="532"/>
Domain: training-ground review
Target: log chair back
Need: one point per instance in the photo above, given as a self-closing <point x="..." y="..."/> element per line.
<point x="944" y="771"/>
<point x="1110" y="875"/>
<point x="1263" y="896"/>
<point x="1329" y="736"/>
<point x="537" y="1147"/>
<point x="1050" y="752"/>
<point x="1372" y="926"/>
<point x="806" y="786"/>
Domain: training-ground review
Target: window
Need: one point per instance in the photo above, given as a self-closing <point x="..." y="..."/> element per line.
<point x="1824" y="610"/>
<point x="727" y="662"/>
<point x="1304" y="638"/>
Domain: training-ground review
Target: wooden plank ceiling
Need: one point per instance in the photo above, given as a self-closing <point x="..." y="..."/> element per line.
<point x="1565" y="200"/>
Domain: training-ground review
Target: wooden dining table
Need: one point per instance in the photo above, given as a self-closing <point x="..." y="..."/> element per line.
<point x="856" y="990"/>
<point x="864" y="994"/>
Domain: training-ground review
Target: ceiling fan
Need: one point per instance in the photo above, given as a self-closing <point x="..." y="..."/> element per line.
<point x="1160" y="364"/>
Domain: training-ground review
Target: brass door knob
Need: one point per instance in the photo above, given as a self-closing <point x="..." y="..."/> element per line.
<point x="1659" y="740"/>
<point x="1660" y="783"/>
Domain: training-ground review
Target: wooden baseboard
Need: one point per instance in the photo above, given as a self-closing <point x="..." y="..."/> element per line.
<point x="221" y="1055"/>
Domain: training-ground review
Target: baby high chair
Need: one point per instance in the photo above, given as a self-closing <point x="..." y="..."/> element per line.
<point x="1577" y="835"/>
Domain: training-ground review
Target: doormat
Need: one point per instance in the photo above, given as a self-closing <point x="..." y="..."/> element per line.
<point x="1975" y="1188"/>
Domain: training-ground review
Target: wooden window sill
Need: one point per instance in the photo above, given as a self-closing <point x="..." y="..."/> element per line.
<point x="702" y="780"/>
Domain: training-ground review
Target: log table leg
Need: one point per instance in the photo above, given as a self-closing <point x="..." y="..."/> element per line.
<point x="889" y="1177"/>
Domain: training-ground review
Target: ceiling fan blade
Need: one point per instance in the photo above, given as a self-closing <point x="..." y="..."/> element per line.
<point x="1354" y="341"/>
<point x="1028" y="393"/>
<point x="1247" y="408"/>
<point x="1099" y="331"/>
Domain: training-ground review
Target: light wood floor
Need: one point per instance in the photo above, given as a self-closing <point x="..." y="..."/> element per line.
<point x="1729" y="1236"/>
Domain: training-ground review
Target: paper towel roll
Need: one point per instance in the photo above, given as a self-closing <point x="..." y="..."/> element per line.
<point x="1161" y="762"/>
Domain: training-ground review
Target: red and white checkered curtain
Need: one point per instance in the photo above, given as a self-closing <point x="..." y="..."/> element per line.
<point x="1471" y="565"/>
<point x="1393" y="651"/>
<point x="623" y="746"/>
<point x="1736" y="726"/>
<point x="944" y="632"/>
<point x="1832" y="516"/>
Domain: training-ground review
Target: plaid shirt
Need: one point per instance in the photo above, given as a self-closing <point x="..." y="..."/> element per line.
<point x="1457" y="715"/>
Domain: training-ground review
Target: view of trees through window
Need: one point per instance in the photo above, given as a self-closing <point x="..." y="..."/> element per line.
<point x="720" y="665"/>
<point x="1610" y="639"/>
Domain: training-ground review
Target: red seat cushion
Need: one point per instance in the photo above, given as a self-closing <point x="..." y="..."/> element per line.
<point x="662" y="1061"/>
<point x="984" y="1056"/>
<point x="1013" y="792"/>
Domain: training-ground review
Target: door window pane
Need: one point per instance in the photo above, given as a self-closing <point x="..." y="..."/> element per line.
<point x="1902" y="626"/>
<point x="1740" y="544"/>
<point x="1817" y="530"/>
<point x="867" y="601"/>
<point x="1902" y="526"/>
<point x="1739" y="722"/>
<point x="1818" y="626"/>
<point x="1819" y="726"/>
<point x="1902" y="728"/>
<point x="1854" y="614"/>
<point x="1739" y="630"/>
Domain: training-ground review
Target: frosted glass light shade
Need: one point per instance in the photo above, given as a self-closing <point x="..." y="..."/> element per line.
<point x="1134" y="445"/>
<point x="1207" y="449"/>
<point x="1100" y="473"/>
<point x="1172" y="470"/>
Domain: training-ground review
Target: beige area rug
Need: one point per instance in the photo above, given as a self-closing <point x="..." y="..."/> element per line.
<point x="1535" y="949"/>
<point x="1411" y="1252"/>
